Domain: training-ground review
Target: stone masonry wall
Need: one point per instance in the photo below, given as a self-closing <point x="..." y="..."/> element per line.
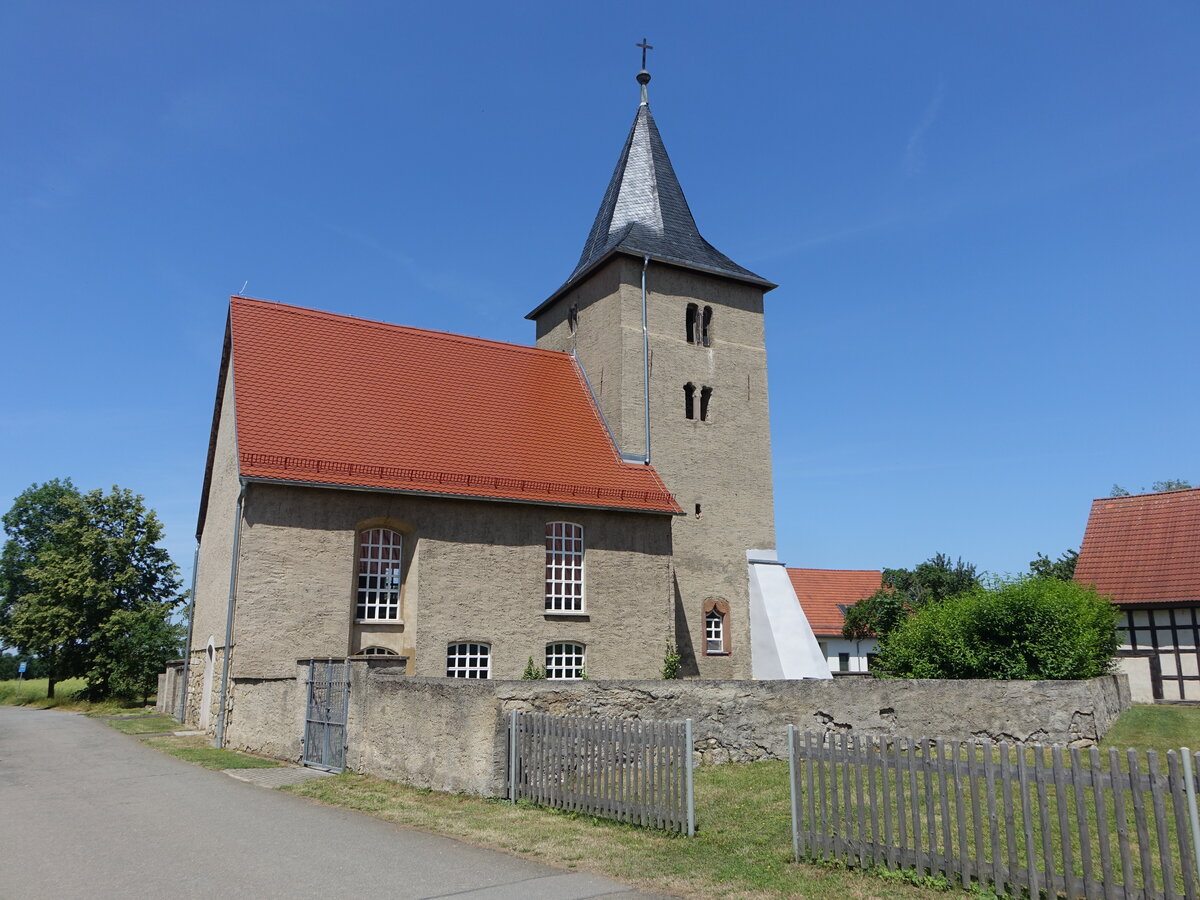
<point x="474" y="571"/>
<point x="450" y="735"/>
<point x="720" y="467"/>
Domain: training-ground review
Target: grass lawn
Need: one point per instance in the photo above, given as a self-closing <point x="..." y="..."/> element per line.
<point x="155" y="723"/>
<point x="1156" y="727"/>
<point x="196" y="749"/>
<point x="742" y="848"/>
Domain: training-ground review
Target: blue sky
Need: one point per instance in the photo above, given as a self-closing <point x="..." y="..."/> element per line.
<point x="984" y="220"/>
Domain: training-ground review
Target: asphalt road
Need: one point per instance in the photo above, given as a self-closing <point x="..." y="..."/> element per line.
<point x="88" y="812"/>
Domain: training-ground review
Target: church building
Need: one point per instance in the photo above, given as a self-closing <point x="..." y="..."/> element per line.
<point x="474" y="509"/>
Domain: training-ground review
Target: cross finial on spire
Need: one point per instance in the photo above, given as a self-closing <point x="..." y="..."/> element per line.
<point x="643" y="76"/>
<point x="644" y="47"/>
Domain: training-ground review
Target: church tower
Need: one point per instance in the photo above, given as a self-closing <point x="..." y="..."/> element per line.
<point x="669" y="333"/>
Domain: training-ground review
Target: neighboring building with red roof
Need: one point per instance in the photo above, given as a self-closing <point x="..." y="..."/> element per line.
<point x="824" y="595"/>
<point x="465" y="505"/>
<point x="1144" y="552"/>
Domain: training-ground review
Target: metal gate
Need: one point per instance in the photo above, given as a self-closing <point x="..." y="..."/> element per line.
<point x="325" y="720"/>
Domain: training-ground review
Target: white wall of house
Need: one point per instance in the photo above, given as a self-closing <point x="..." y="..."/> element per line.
<point x="847" y="656"/>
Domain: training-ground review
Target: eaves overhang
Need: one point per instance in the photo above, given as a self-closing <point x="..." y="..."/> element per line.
<point x="580" y="276"/>
<point x="413" y="492"/>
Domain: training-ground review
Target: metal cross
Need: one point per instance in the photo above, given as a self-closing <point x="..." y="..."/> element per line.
<point x="644" y="47"/>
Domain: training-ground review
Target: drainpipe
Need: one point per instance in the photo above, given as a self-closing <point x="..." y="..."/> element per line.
<point x="646" y="350"/>
<point x="187" y="650"/>
<point x="233" y="568"/>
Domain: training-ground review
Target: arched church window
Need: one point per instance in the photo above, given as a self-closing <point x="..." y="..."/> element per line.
<point x="705" y="397"/>
<point x="689" y="400"/>
<point x="377" y="651"/>
<point x="716" y="627"/>
<point x="380" y="554"/>
<point x="706" y="326"/>
<point x="691" y="323"/>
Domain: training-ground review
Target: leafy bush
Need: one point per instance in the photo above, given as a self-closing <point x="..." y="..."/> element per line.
<point x="1025" y="628"/>
<point x="904" y="591"/>
<point x="672" y="662"/>
<point x="533" y="672"/>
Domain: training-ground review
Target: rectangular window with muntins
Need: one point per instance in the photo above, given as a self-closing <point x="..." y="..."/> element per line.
<point x="714" y="632"/>
<point x="468" y="660"/>
<point x="564" y="662"/>
<point x="380" y="553"/>
<point x="564" y="567"/>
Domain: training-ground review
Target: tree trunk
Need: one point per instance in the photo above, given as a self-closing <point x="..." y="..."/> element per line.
<point x="50" y="688"/>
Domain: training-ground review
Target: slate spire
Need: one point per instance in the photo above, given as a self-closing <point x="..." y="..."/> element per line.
<point x="644" y="212"/>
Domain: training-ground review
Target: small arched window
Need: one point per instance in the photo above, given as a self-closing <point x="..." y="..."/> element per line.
<point x="705" y="396"/>
<point x="468" y="660"/>
<point x="377" y="651"/>
<point x="380" y="556"/>
<point x="716" y="627"/>
<point x="691" y="323"/>
<point x="564" y="567"/>
<point x="706" y="326"/>
<point x="689" y="400"/>
<point x="565" y="662"/>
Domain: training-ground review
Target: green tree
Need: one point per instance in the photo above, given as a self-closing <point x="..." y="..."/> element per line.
<point x="129" y="650"/>
<point x="1025" y="628"/>
<point x="1062" y="568"/>
<point x="903" y="591"/>
<point x="1171" y="484"/>
<point x="31" y="525"/>
<point x="87" y="582"/>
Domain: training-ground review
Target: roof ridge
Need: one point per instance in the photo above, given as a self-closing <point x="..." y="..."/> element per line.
<point x="846" y="571"/>
<point x="1191" y="490"/>
<point x="379" y="323"/>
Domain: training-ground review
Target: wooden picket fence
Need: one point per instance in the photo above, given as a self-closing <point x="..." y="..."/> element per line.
<point x="629" y="770"/>
<point x="1041" y="820"/>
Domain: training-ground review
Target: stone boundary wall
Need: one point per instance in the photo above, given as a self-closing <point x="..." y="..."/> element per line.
<point x="449" y="735"/>
<point x="170" y="684"/>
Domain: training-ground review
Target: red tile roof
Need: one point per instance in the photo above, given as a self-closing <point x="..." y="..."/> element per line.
<point x="1144" y="548"/>
<point x="823" y="593"/>
<point x="329" y="399"/>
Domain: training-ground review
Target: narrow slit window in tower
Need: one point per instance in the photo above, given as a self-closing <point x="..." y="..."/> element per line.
<point x="690" y="323"/>
<point x="705" y="397"/>
<point x="689" y="400"/>
<point x="706" y="327"/>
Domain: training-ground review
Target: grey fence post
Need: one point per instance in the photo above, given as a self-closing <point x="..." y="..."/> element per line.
<point x="791" y="744"/>
<point x="691" y="793"/>
<point x="1189" y="784"/>
<point x="512" y="757"/>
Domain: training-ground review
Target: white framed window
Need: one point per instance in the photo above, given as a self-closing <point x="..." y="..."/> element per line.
<point x="377" y="651"/>
<point x="380" y="552"/>
<point x="468" y="660"/>
<point x="565" y="661"/>
<point x="714" y="632"/>
<point x="564" y="567"/>
<point x="716" y="627"/>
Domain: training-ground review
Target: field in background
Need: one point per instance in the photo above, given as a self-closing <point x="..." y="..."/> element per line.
<point x="32" y="692"/>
